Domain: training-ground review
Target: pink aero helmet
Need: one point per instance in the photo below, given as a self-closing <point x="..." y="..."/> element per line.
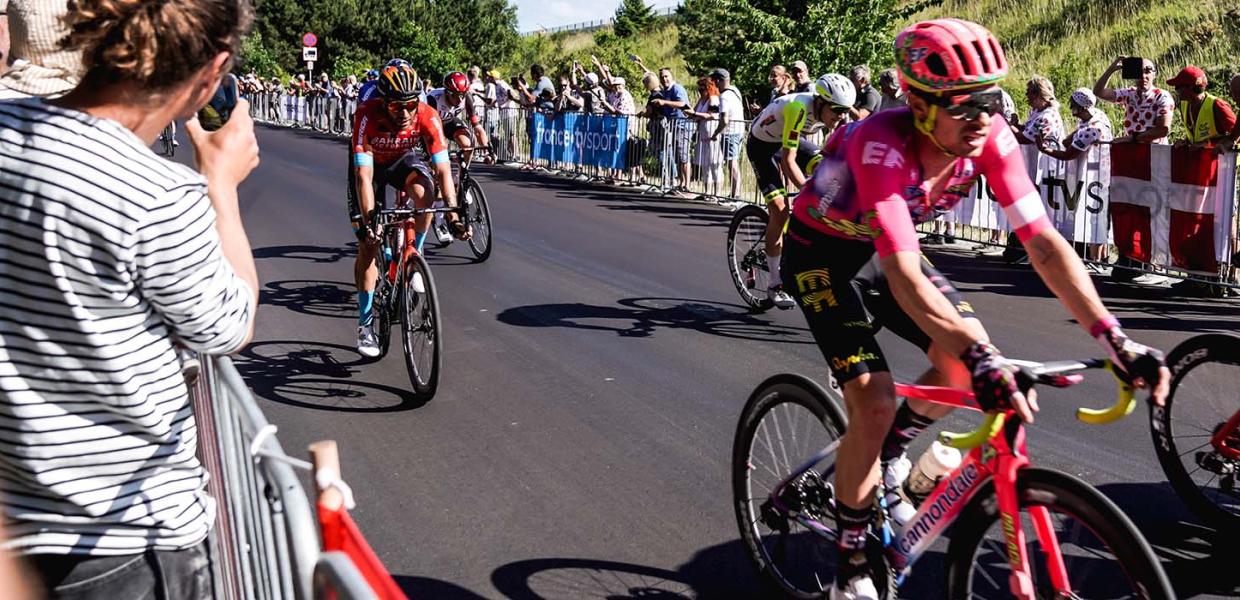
<point x="944" y="55"/>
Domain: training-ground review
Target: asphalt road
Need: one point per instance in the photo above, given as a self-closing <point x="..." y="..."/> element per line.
<point x="594" y="373"/>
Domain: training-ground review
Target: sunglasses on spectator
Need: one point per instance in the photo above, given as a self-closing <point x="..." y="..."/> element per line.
<point x="407" y="106"/>
<point x="1147" y="69"/>
<point x="968" y="107"/>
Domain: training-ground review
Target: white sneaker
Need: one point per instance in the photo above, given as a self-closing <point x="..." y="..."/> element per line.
<point x="780" y="298"/>
<point x="860" y="587"/>
<point x="442" y="233"/>
<point x="367" y="343"/>
<point x="418" y="284"/>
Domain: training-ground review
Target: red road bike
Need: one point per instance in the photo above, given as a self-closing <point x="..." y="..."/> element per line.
<point x="1019" y="531"/>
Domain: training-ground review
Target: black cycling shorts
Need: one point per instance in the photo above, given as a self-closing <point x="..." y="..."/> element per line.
<point x="845" y="297"/>
<point x="394" y="175"/>
<point x="764" y="156"/>
<point x="453" y="126"/>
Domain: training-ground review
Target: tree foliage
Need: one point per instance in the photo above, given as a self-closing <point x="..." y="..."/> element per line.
<point x="748" y="37"/>
<point x="633" y="17"/>
<point x="436" y="36"/>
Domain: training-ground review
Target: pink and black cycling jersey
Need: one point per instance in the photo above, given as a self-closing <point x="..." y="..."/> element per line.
<point x="869" y="186"/>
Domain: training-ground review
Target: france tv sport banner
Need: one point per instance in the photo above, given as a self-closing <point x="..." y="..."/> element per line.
<point x="581" y="139"/>
<point x="1173" y="206"/>
<point x="1075" y="194"/>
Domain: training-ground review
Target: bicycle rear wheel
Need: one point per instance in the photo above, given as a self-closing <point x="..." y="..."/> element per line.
<point x="1204" y="371"/>
<point x="422" y="335"/>
<point x="787" y="420"/>
<point x="478" y="216"/>
<point x="1104" y="554"/>
<point x="747" y="256"/>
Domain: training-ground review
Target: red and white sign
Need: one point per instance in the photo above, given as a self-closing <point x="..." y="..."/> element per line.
<point x="309" y="40"/>
<point x="1172" y="206"/>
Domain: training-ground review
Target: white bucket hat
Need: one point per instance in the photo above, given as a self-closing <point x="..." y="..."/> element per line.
<point x="41" y="67"/>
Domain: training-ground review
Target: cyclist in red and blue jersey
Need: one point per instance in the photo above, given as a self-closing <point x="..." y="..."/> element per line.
<point x="387" y="144"/>
<point x="851" y="247"/>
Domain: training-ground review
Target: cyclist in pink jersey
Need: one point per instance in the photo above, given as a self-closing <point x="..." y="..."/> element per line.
<point x="851" y="261"/>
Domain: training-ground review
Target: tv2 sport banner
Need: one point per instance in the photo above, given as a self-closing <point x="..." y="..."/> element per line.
<point x="581" y="139"/>
<point x="1173" y="206"/>
<point x="1074" y="192"/>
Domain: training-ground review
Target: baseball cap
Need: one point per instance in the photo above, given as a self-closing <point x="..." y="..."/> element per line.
<point x="720" y="73"/>
<point x="617" y="81"/>
<point x="1189" y="75"/>
<point x="592" y="78"/>
<point x="799" y="65"/>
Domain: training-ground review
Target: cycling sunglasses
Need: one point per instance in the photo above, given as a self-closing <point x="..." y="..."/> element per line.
<point x="837" y="109"/>
<point x="407" y="106"/>
<point x="968" y="107"/>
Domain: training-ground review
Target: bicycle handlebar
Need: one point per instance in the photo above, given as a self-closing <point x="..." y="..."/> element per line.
<point x="1057" y="374"/>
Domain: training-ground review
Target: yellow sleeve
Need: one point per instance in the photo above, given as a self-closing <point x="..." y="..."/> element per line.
<point x="794" y="119"/>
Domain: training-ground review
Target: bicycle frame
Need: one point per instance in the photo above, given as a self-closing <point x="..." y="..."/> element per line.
<point x="1220" y="439"/>
<point x="999" y="459"/>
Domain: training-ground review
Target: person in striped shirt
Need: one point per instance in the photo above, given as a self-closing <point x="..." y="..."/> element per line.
<point x="109" y="254"/>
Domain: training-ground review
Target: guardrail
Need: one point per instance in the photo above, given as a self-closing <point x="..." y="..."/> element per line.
<point x="655" y="150"/>
<point x="265" y="536"/>
<point x="661" y="13"/>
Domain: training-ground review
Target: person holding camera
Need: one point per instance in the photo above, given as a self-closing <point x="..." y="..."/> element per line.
<point x="1147" y="109"/>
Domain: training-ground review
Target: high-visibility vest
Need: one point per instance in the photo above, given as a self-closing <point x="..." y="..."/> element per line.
<point x="1204" y="129"/>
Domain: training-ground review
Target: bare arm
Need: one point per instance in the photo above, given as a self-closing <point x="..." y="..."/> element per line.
<point x="1100" y="87"/>
<point x="788" y="163"/>
<point x="443" y="177"/>
<point x="925" y="304"/>
<point x="1052" y="257"/>
<point x="1161" y="129"/>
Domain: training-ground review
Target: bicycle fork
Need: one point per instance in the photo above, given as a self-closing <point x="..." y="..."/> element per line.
<point x="1020" y="581"/>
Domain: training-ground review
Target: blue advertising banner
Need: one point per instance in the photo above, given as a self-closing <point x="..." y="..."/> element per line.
<point x="581" y="139"/>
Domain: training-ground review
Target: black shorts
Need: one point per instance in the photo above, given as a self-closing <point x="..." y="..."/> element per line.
<point x="394" y="175"/>
<point x="455" y="125"/>
<point x="764" y="156"/>
<point x="845" y="297"/>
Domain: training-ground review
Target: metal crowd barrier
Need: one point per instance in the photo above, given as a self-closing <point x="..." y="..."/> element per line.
<point x="659" y="150"/>
<point x="328" y="115"/>
<point x="265" y="538"/>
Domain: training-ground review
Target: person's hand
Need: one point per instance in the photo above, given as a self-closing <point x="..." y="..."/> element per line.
<point x="228" y="155"/>
<point x="1124" y="139"/>
<point x="1142" y="366"/>
<point x="1118" y="64"/>
<point x="1223" y="147"/>
<point x="997" y="382"/>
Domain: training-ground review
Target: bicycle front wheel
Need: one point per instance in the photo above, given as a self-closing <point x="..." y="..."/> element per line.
<point x="423" y="338"/>
<point x="1104" y="555"/>
<point x="478" y="216"/>
<point x="787" y="420"/>
<point x="747" y="256"/>
<point x="1204" y="371"/>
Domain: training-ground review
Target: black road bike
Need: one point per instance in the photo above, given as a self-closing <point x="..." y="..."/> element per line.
<point x="472" y="208"/>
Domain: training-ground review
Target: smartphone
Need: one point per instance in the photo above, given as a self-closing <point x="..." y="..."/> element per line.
<point x="633" y="57"/>
<point x="1132" y="67"/>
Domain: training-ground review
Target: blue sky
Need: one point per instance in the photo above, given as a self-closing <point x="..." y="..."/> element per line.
<point x="533" y="14"/>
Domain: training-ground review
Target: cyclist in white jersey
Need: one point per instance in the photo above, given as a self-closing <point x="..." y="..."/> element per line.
<point x="777" y="152"/>
<point x="455" y="108"/>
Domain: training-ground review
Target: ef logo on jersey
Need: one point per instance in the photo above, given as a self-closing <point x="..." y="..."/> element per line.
<point x="878" y="153"/>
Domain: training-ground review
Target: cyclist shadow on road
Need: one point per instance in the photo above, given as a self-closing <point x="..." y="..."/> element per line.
<point x="315" y="254"/>
<point x="642" y="317"/>
<point x="1194" y="555"/>
<point x="721" y="571"/>
<point x="317" y="375"/>
<point x="335" y="299"/>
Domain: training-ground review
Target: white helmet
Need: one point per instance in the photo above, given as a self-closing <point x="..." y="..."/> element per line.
<point x="836" y="89"/>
